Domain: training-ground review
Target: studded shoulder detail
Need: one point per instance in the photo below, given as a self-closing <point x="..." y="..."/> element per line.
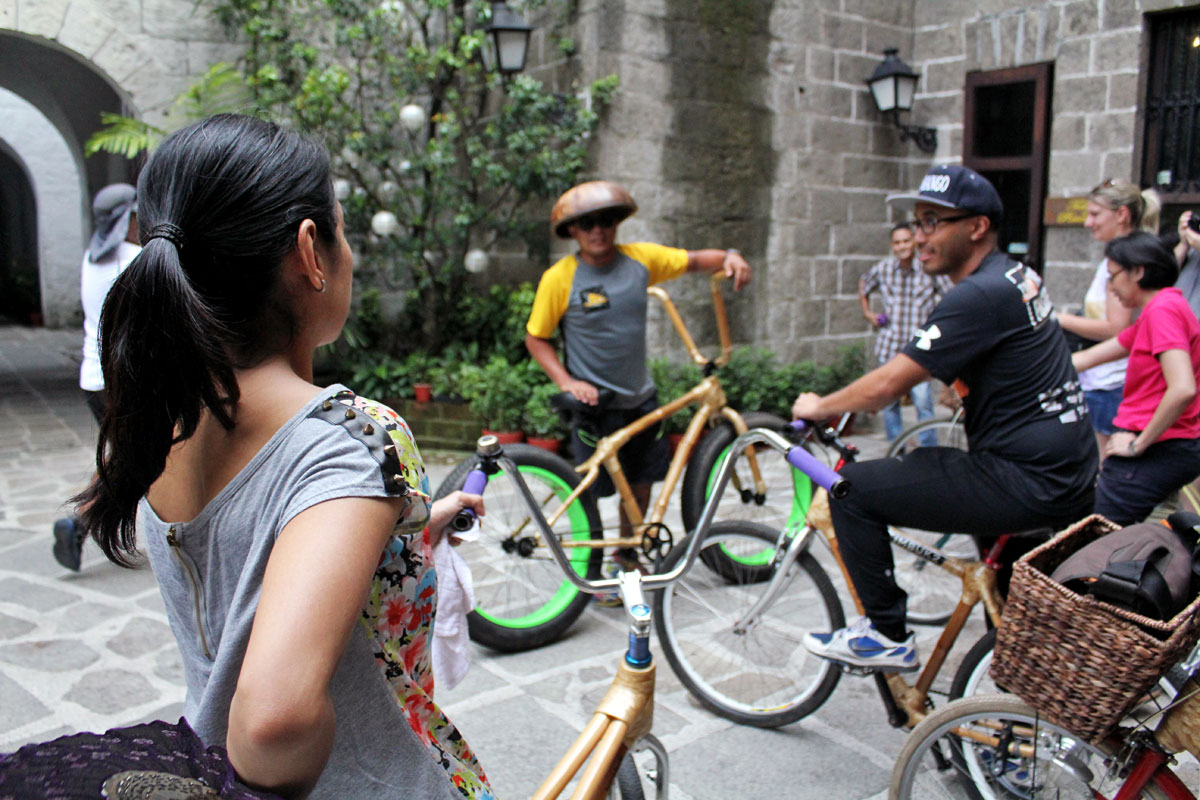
<point x="386" y="436"/>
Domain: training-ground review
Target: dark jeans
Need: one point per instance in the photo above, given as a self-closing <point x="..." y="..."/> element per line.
<point x="1130" y="488"/>
<point x="934" y="489"/>
<point x="644" y="458"/>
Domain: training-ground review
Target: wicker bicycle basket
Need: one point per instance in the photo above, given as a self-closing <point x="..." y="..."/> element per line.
<point x="1081" y="663"/>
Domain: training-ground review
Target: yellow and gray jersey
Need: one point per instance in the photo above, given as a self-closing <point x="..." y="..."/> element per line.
<point x="602" y="313"/>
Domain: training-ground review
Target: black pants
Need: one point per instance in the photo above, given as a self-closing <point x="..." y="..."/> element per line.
<point x="1130" y="488"/>
<point x="934" y="489"/>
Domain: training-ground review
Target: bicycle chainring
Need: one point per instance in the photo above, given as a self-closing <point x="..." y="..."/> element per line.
<point x="657" y="541"/>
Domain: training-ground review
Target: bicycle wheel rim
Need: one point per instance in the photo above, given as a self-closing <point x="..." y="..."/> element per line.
<point x="762" y="675"/>
<point x="1041" y="760"/>
<point x="577" y="524"/>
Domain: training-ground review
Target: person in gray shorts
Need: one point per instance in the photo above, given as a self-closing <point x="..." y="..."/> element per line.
<point x="597" y="297"/>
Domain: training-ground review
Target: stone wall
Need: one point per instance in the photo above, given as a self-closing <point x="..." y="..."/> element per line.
<point x="53" y="55"/>
<point x="748" y="124"/>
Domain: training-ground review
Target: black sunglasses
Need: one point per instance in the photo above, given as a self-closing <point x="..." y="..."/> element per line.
<point x="589" y="221"/>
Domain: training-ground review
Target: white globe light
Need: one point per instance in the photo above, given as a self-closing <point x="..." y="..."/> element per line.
<point x="341" y="189"/>
<point x="388" y="188"/>
<point x="384" y="223"/>
<point x="476" y="261"/>
<point x="405" y="165"/>
<point x="412" y="117"/>
<point x="349" y="156"/>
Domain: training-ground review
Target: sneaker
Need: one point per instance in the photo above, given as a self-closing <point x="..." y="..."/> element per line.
<point x="860" y="645"/>
<point x="68" y="543"/>
<point x="610" y="598"/>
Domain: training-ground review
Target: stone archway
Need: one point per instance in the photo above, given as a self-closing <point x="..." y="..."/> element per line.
<point x="59" y="192"/>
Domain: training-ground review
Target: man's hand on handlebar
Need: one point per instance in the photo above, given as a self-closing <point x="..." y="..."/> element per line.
<point x="807" y="407"/>
<point x="442" y="511"/>
<point x="736" y="268"/>
<point x="582" y="391"/>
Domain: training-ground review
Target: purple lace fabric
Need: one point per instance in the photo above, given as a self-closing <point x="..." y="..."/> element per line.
<point x="74" y="767"/>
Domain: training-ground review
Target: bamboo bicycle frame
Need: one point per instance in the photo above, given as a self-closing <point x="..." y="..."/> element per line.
<point x="710" y="399"/>
<point x="979" y="585"/>
<point x="623" y="716"/>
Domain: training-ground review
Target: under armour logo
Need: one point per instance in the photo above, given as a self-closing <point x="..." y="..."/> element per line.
<point x="925" y="338"/>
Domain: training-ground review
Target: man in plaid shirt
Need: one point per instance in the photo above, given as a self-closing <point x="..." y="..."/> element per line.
<point x="908" y="296"/>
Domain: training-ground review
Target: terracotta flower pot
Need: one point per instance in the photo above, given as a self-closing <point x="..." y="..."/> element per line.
<point x="553" y="445"/>
<point x="423" y="392"/>
<point x="505" y="437"/>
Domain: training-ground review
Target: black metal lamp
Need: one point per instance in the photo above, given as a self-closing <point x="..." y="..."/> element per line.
<point x="893" y="84"/>
<point x="508" y="40"/>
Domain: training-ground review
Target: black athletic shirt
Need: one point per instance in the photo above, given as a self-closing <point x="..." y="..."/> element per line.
<point x="1023" y="401"/>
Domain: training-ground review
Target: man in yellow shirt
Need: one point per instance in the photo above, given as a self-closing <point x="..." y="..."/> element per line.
<point x="597" y="296"/>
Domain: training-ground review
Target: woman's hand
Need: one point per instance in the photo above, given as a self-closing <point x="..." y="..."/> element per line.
<point x="442" y="511"/>
<point x="1122" y="443"/>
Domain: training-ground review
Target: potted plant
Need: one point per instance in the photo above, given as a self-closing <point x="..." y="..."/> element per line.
<point x="673" y="380"/>
<point x="543" y="426"/>
<point x="496" y="394"/>
<point x="419" y="365"/>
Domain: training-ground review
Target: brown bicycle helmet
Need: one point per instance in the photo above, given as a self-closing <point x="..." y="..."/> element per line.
<point x="587" y="198"/>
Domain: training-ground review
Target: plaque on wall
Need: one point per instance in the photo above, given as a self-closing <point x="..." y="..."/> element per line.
<point x="1064" y="212"/>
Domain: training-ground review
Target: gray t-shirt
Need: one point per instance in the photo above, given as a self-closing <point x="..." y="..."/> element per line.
<point x="211" y="578"/>
<point x="1189" y="281"/>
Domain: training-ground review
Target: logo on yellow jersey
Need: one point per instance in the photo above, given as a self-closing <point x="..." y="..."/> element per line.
<point x="593" y="299"/>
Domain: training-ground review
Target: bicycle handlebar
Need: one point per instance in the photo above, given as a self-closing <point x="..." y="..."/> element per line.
<point x="821" y="474"/>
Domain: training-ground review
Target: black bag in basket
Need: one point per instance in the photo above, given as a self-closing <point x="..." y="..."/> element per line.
<point x="1148" y="568"/>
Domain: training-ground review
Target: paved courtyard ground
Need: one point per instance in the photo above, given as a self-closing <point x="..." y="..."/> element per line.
<point x="92" y="650"/>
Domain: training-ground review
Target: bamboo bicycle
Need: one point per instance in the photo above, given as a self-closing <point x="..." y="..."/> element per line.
<point x="732" y="632"/>
<point x="522" y="600"/>
<point x="622" y="720"/>
<point x="989" y="747"/>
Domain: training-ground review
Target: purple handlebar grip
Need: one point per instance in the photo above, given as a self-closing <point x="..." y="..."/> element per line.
<point x="475" y="483"/>
<point x="881" y="320"/>
<point x="813" y="467"/>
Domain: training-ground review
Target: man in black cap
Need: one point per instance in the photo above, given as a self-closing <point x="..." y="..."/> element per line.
<point x="114" y="244"/>
<point x="1032" y="460"/>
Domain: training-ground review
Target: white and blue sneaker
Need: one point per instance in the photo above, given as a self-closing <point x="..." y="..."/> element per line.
<point x="860" y="645"/>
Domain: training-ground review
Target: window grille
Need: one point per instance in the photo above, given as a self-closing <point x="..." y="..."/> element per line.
<point x="1172" y="107"/>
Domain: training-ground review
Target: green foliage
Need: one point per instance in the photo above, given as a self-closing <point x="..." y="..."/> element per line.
<point x="220" y="89"/>
<point x="754" y="380"/>
<point x="672" y="381"/>
<point x="381" y="377"/>
<point x="478" y="171"/>
<point x="497" y="391"/>
<point x="538" y="418"/>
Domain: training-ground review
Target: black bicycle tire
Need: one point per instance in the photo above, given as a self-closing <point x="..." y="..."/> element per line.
<point x="951" y="583"/>
<point x="936" y="726"/>
<point x="511" y="638"/>
<point x="629" y="780"/>
<point x="703" y="463"/>
<point x="970" y="664"/>
<point x="914" y="431"/>
<point x="777" y="712"/>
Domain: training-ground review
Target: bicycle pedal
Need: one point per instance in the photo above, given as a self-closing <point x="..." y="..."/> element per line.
<point x="858" y="670"/>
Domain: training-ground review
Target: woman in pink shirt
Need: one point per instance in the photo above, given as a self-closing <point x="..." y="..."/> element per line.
<point x="1155" y="449"/>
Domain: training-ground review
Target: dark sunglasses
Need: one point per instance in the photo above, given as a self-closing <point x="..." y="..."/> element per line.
<point x="589" y="221"/>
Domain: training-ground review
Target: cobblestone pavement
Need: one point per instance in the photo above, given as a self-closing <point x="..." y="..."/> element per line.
<point x="92" y="650"/>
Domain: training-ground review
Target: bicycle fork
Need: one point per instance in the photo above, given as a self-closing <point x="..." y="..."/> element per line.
<point x="781" y="564"/>
<point x="622" y="719"/>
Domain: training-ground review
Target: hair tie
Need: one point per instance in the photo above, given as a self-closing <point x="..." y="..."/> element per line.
<point x="165" y="230"/>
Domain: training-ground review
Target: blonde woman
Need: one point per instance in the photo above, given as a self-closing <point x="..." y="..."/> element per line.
<point x="1115" y="208"/>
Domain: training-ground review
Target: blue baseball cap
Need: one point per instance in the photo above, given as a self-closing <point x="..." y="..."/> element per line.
<point x="958" y="187"/>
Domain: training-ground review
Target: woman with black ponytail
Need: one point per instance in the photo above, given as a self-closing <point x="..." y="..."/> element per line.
<point x="288" y="524"/>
